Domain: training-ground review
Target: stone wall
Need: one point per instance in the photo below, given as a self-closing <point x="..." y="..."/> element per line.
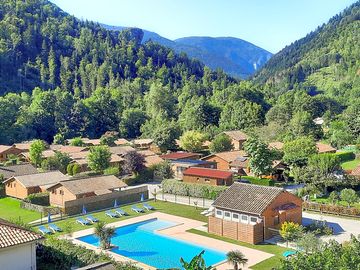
<point x="106" y="200"/>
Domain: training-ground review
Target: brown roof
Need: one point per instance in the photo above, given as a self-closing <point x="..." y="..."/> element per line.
<point x="121" y="150"/>
<point x="23" y="146"/>
<point x="152" y="160"/>
<point x="4" y="148"/>
<point x="356" y="171"/>
<point x="40" y="179"/>
<point x="240" y="162"/>
<point x="146" y="153"/>
<point x="121" y="141"/>
<point x="247" y="198"/>
<point x="205" y="172"/>
<point x="93" y="141"/>
<point x="229" y="156"/>
<point x="12" y="235"/>
<point x="324" y="148"/>
<point x="237" y="135"/>
<point x="94" y="184"/>
<point x="180" y="155"/>
<point x="68" y="149"/>
<point x="276" y="145"/>
<point x="17" y="170"/>
<point x="143" y="141"/>
<point x="46" y="154"/>
<point x="81" y="157"/>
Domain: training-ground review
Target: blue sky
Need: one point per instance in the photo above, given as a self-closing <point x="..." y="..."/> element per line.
<point x="270" y="24"/>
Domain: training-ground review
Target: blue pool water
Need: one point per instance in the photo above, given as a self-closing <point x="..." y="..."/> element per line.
<point x="142" y="243"/>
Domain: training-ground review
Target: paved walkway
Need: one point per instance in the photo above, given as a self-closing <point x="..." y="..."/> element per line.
<point x="343" y="227"/>
<point x="179" y="232"/>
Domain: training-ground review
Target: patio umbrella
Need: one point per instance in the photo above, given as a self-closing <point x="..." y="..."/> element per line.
<point x="115" y="204"/>
<point x="84" y="210"/>
<point x="49" y="218"/>
<point x="142" y="197"/>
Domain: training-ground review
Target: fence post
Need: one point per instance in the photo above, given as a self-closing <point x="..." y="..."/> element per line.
<point x="189" y="200"/>
<point x="204" y="202"/>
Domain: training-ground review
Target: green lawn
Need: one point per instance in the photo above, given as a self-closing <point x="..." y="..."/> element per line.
<point x="10" y="210"/>
<point x="165" y="207"/>
<point x="350" y="165"/>
<point x="270" y="263"/>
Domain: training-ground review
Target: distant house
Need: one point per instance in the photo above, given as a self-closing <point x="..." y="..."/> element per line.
<point x="93" y="142"/>
<point x="80" y="158"/>
<point x="240" y="166"/>
<point x="121" y="150"/>
<point x="17" y="246"/>
<point x="276" y="145"/>
<point x="238" y="138"/>
<point x="65" y="194"/>
<point x="24" y="185"/>
<point x="121" y="142"/>
<point x="180" y="165"/>
<point x="325" y="148"/>
<point x="181" y="155"/>
<point x="17" y="170"/>
<point x="68" y="149"/>
<point x="7" y="150"/>
<point x="25" y="156"/>
<point x="252" y="213"/>
<point x="24" y="146"/>
<point x="207" y="176"/>
<point x="152" y="160"/>
<point x="143" y="143"/>
<point x="225" y="159"/>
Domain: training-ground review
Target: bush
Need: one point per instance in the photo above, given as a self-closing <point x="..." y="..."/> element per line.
<point x="69" y="169"/>
<point x="345" y="156"/>
<point x="319" y="228"/>
<point x="38" y="198"/>
<point x="62" y="254"/>
<point x="194" y="190"/>
<point x="75" y="169"/>
<point x="112" y="171"/>
<point x="259" y="181"/>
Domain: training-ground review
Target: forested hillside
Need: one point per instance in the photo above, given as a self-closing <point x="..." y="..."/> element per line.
<point x="103" y="80"/>
<point x="326" y="60"/>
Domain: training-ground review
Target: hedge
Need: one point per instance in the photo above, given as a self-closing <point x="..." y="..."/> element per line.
<point x="259" y="181"/>
<point x="194" y="190"/>
<point x="38" y="198"/>
<point x="345" y="156"/>
<point x="331" y="209"/>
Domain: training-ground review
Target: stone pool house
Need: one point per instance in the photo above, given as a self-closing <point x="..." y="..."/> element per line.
<point x="253" y="213"/>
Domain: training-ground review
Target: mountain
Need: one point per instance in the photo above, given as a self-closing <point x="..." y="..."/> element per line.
<point x="326" y="60"/>
<point x="236" y="57"/>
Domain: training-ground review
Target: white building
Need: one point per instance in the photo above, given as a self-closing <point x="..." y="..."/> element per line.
<point x="17" y="247"/>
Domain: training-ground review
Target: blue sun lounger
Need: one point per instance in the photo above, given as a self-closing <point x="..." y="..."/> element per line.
<point x="289" y="253"/>
<point x="137" y="209"/>
<point x="121" y="212"/>
<point x="91" y="219"/>
<point x="148" y="207"/>
<point x="44" y="230"/>
<point x="82" y="221"/>
<point x="54" y="228"/>
<point x="111" y="214"/>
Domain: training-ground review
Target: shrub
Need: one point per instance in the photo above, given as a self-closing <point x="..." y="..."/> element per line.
<point x="345" y="156"/>
<point x="259" y="181"/>
<point x="319" y="228"/>
<point x="163" y="170"/>
<point x="69" y="168"/>
<point x="112" y="171"/>
<point x="195" y="190"/>
<point x="38" y="198"/>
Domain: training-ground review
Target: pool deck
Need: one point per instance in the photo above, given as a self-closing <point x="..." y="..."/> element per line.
<point x="179" y="232"/>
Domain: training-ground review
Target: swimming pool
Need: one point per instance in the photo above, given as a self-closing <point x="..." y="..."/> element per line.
<point x="142" y="243"/>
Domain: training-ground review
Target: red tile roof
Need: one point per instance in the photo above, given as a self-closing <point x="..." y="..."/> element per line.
<point x="11" y="235"/>
<point x="180" y="155"/>
<point x="211" y="173"/>
<point x="356" y="171"/>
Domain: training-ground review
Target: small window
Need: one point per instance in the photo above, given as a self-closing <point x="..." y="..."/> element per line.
<point x="227" y="215"/>
<point x="253" y="220"/>
<point x="219" y="214"/>
<point x="61" y="192"/>
<point x="207" y="180"/>
<point x="235" y="217"/>
<point x="14" y="184"/>
<point x="244" y="218"/>
<point x="276" y="220"/>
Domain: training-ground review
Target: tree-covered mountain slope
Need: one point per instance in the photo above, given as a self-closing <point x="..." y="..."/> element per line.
<point x="326" y="60"/>
<point x="235" y="56"/>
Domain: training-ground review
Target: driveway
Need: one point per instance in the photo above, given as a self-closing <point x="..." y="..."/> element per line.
<point x="343" y="227"/>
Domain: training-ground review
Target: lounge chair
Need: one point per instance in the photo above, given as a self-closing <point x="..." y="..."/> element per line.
<point x="91" y="219"/>
<point x="137" y="209"/>
<point x="148" y="207"/>
<point x="54" y="228"/>
<point x="111" y="214"/>
<point x="44" y="230"/>
<point x="121" y="212"/>
<point x="82" y="221"/>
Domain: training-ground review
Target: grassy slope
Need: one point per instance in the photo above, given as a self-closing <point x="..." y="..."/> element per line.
<point x="10" y="210"/>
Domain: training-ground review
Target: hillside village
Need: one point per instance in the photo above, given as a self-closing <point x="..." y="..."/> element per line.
<point x="120" y="152"/>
